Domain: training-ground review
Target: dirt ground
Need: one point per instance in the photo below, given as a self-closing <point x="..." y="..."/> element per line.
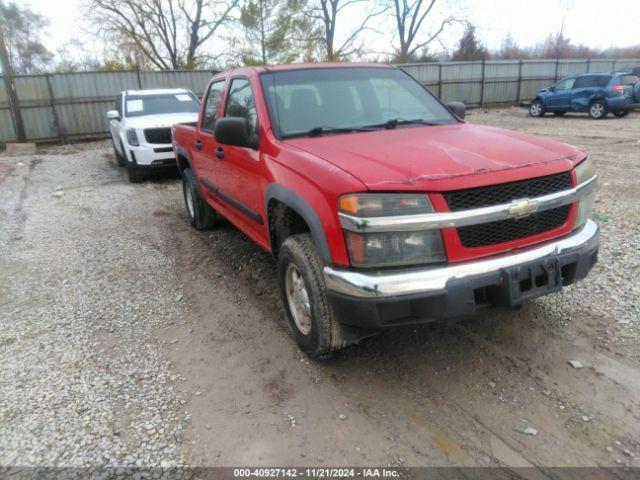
<point x="242" y="394"/>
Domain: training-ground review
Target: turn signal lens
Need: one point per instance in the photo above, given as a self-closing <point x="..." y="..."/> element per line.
<point x="384" y="204"/>
<point x="584" y="171"/>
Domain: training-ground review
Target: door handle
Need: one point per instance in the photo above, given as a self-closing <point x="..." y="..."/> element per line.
<point x="220" y="153"/>
<point x="198" y="144"/>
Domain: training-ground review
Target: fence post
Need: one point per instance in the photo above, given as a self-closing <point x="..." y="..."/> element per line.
<point x="588" y="65"/>
<point x="556" y="74"/>
<point x="440" y="80"/>
<point x="138" y="76"/>
<point x="482" y="85"/>
<point x="52" y="102"/>
<point x="519" y="89"/>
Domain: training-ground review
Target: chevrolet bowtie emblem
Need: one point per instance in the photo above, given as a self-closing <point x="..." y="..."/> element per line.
<point x="522" y="208"/>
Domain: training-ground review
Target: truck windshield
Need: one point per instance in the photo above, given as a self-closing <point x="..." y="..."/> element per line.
<point x="336" y="100"/>
<point x="140" y="105"/>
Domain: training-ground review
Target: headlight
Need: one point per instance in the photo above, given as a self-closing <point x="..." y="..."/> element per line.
<point x="385" y="249"/>
<point x="584" y="171"/>
<point x="132" y="137"/>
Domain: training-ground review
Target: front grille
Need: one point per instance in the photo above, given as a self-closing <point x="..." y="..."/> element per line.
<point x="506" y="192"/>
<point x="513" y="229"/>
<point x="510" y="229"/>
<point x="158" y="135"/>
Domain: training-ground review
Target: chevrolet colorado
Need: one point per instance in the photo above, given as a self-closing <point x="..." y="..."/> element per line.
<point x="382" y="205"/>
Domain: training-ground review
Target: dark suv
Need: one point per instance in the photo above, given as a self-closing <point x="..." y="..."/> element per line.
<point x="594" y="93"/>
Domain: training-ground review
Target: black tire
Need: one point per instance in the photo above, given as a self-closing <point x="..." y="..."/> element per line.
<point x="120" y="159"/>
<point x="621" y="113"/>
<point x="201" y="215"/>
<point x="598" y="110"/>
<point x="559" y="114"/>
<point x="536" y="109"/>
<point x="636" y="92"/>
<point x="324" y="335"/>
<point x="134" y="175"/>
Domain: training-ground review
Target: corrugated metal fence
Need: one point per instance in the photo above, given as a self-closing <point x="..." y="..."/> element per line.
<point x="65" y="106"/>
<point x="502" y="81"/>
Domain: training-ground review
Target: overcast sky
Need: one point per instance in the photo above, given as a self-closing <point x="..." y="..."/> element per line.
<point x="588" y="22"/>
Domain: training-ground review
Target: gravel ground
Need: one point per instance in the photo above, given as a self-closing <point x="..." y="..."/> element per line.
<point x="127" y="338"/>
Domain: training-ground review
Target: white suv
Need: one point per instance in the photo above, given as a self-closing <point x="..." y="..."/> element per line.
<point x="141" y="124"/>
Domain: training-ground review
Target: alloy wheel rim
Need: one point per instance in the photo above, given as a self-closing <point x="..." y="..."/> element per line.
<point x="189" y="199"/>
<point x="597" y="109"/>
<point x="535" y="109"/>
<point x="298" y="299"/>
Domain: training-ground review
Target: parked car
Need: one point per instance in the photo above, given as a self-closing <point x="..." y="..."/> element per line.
<point x="596" y="94"/>
<point x="140" y="126"/>
<point x="382" y="205"/>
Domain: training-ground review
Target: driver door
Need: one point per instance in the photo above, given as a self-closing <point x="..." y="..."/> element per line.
<point x="560" y="98"/>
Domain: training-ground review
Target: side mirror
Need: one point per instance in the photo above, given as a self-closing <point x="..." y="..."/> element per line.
<point x="458" y="108"/>
<point x="113" y="115"/>
<point x="235" y="131"/>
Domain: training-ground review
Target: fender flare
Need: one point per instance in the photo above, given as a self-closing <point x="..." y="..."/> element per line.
<point x="182" y="152"/>
<point x="293" y="200"/>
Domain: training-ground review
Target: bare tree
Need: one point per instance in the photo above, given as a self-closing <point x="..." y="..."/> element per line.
<point x="410" y="19"/>
<point x="327" y="13"/>
<point x="169" y="33"/>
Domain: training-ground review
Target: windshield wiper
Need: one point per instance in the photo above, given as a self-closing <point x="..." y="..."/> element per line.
<point x="316" y="131"/>
<point x="394" y="122"/>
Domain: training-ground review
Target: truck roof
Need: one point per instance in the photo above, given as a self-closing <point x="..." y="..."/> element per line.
<point x="299" y="66"/>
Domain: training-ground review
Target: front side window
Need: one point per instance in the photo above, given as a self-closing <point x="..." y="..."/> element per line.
<point x="566" y="84"/>
<point x="300" y="101"/>
<point x="241" y="103"/>
<point x="211" y="106"/>
<point x="156" y="104"/>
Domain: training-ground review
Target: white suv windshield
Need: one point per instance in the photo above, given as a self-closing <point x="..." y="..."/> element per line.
<point x="140" y="105"/>
<point x="305" y="100"/>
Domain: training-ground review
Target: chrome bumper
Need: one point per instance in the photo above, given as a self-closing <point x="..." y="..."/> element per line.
<point x="385" y="284"/>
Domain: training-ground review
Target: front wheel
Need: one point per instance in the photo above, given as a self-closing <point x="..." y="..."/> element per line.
<point x="621" y="113"/>
<point x="304" y="295"/>
<point x="536" y="109"/>
<point x="598" y="110"/>
<point x="134" y="175"/>
<point x="120" y="157"/>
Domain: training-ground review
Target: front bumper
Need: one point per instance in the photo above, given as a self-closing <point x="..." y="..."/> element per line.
<point x="394" y="297"/>
<point x="152" y="156"/>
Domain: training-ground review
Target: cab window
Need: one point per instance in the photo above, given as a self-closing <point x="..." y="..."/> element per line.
<point x="241" y="103"/>
<point x="214" y="95"/>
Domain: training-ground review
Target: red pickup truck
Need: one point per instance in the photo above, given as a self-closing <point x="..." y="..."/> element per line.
<point x="382" y="205"/>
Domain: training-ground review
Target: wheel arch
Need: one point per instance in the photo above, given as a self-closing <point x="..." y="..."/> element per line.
<point x="276" y="195"/>
<point x="183" y="158"/>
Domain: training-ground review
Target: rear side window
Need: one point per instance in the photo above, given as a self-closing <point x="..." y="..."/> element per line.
<point x="628" y="79"/>
<point x="603" y="80"/>
<point x="241" y="103"/>
<point x="211" y="106"/>
<point x="584" y="82"/>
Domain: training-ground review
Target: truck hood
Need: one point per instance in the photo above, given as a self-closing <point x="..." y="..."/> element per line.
<point x="162" y="120"/>
<point x="441" y="157"/>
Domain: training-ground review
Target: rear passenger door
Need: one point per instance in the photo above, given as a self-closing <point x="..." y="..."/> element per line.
<point x="560" y="98"/>
<point x="583" y="91"/>
<point x="205" y="144"/>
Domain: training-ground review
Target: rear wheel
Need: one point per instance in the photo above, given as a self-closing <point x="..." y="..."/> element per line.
<point x="201" y="215"/>
<point x="304" y="295"/>
<point x="597" y="110"/>
<point x="536" y="109"/>
<point x="621" y="113"/>
<point x="559" y="114"/>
